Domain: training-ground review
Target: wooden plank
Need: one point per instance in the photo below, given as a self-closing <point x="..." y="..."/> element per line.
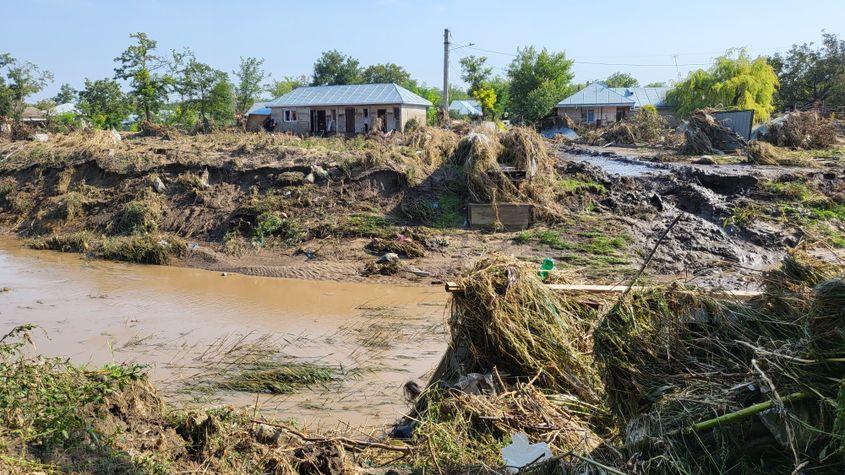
<point x="512" y="216"/>
<point x="603" y="289"/>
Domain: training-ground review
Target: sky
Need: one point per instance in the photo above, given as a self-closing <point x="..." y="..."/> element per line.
<point x="78" y="39"/>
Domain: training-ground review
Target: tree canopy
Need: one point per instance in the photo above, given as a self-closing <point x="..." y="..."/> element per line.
<point x="620" y="79"/>
<point x="538" y="81"/>
<point x="66" y="94"/>
<point x="138" y="65"/>
<point x="250" y="76"/>
<point x="656" y="84"/>
<point x="285" y="85"/>
<point x="333" y="68"/>
<point x="811" y="75"/>
<point x="387" y="73"/>
<point x="24" y="79"/>
<point x="103" y="103"/>
<point x="734" y="82"/>
<point x="207" y="91"/>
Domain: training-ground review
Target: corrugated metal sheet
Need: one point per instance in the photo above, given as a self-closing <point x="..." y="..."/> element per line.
<point x="598" y="94"/>
<point x="738" y="121"/>
<point x="259" y="108"/>
<point x="349" y="95"/>
<point x="465" y="107"/>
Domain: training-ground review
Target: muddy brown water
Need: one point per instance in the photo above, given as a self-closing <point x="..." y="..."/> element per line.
<point x="182" y="322"/>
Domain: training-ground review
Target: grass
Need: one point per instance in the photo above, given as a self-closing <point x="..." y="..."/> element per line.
<point x="140" y="216"/>
<point x="80" y="241"/>
<point x="366" y="225"/>
<point x="444" y="213"/>
<point x="279" y="378"/>
<point x="272" y="224"/>
<point x="793" y="190"/>
<point x="143" y="249"/>
<point x="578" y="186"/>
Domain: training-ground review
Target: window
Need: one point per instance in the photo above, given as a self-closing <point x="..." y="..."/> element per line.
<point x="290" y="115"/>
<point x="366" y="112"/>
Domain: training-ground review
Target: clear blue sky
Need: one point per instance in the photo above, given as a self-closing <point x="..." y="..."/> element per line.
<point x="76" y="39"/>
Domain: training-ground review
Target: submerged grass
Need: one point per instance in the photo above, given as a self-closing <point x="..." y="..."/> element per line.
<point x="279" y="378"/>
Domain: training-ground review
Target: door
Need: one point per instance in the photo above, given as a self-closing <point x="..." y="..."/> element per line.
<point x="350" y="121"/>
<point x="381" y="116"/>
<point x="591" y="116"/>
<point x="321" y="121"/>
<point x="397" y="119"/>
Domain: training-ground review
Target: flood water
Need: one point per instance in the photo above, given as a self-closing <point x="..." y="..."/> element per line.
<point x="182" y="322"/>
<point x="619" y="167"/>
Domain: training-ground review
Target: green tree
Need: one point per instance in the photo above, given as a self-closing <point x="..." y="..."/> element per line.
<point x="475" y="73"/>
<point x="24" y="79"/>
<point x="486" y="97"/>
<point x="656" y="84"/>
<point x="66" y="94"/>
<point x="334" y="67"/>
<point x="811" y="75"/>
<point x="538" y="81"/>
<point x="387" y="73"/>
<point x="138" y="66"/>
<point x="502" y="88"/>
<point x="620" y="79"/>
<point x="5" y="92"/>
<point x="280" y="88"/>
<point x="250" y="77"/>
<point x="208" y="91"/>
<point x="103" y="104"/>
<point x="734" y="82"/>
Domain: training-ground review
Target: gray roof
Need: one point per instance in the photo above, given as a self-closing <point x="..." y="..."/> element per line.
<point x="466" y="107"/>
<point x="349" y="95"/>
<point x="597" y="94"/>
<point x="259" y="108"/>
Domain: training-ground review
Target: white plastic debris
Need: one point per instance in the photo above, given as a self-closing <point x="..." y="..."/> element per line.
<point x="521" y="453"/>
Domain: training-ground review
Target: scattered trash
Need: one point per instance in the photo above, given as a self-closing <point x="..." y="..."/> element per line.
<point x="159" y="185"/>
<point x="224" y="274"/>
<point x="521" y="453"/>
<point x="40" y="137"/>
<point x="547" y="265"/>
<point x="389" y="257"/>
<point x="194" y="246"/>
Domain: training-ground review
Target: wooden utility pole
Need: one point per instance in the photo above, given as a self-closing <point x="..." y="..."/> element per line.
<point x="444" y="107"/>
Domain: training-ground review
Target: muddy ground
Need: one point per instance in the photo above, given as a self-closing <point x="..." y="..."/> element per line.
<point x="282" y="206"/>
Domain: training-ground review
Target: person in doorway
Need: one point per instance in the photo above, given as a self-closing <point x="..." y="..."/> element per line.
<point x="269" y="124"/>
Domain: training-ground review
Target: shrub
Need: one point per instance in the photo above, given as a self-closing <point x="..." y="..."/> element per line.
<point x="139" y="216"/>
<point x="145" y="249"/>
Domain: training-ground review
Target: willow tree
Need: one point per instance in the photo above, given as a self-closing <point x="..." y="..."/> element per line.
<point x="734" y="82"/>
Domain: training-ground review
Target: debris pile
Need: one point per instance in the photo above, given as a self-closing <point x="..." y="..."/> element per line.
<point x="804" y="130"/>
<point x="705" y="135"/>
<point x="671" y="380"/>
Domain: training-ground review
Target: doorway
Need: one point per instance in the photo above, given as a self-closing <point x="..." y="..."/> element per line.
<point x="321" y="122"/>
<point x="381" y="117"/>
<point x="350" y="121"/>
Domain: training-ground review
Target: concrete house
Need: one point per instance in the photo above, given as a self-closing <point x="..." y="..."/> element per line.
<point x="348" y="109"/>
<point x="601" y="105"/>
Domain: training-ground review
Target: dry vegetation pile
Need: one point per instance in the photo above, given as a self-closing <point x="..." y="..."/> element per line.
<point x="671" y="380"/>
<point x="802" y="130"/>
<point x="705" y="135"/>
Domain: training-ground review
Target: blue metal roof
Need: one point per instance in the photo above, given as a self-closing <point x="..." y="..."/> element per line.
<point x="597" y="94"/>
<point x="259" y="108"/>
<point x="349" y="95"/>
<point x="466" y="107"/>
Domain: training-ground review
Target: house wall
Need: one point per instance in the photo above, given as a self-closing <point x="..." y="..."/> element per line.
<point x="254" y="122"/>
<point x="303" y="116"/>
<point x="607" y="114"/>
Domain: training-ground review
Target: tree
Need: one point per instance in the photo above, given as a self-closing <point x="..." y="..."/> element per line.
<point x="5" y="92"/>
<point x="286" y="85"/>
<point x="475" y="73"/>
<point x="656" y="84"/>
<point x="24" y="79"/>
<point x="334" y="67"/>
<point x="208" y="91"/>
<point x="538" y="80"/>
<point x="250" y="76"/>
<point x="620" y="79"/>
<point x="734" y="82"/>
<point x="502" y="88"/>
<point x="138" y="66"/>
<point x="103" y="104"/>
<point x="387" y="73"/>
<point x="66" y="94"/>
<point x="812" y="75"/>
<point x="486" y="97"/>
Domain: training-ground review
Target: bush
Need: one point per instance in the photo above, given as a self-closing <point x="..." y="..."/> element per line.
<point x="139" y="216"/>
<point x="146" y="249"/>
<point x="272" y="224"/>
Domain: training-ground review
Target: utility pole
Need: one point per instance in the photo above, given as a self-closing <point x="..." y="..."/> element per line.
<point x="445" y="105"/>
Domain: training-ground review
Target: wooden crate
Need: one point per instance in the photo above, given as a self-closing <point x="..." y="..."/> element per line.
<point x="512" y="216"/>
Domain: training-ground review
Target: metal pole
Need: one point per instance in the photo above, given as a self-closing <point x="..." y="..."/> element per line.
<point x="445" y="105"/>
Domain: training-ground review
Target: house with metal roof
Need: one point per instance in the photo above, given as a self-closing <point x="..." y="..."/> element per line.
<point x="256" y="115"/>
<point x="468" y="108"/>
<point x="347" y="109"/>
<point x="602" y="105"/>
